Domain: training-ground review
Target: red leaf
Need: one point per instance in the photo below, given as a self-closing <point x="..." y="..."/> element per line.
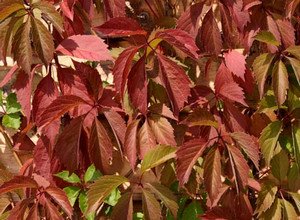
<point x="114" y="8"/>
<point x="181" y="40"/>
<point x="124" y="207"/>
<point x="239" y="166"/>
<point x="151" y="207"/>
<point x="210" y="40"/>
<point x="212" y="173"/>
<point x="23" y="89"/>
<point x="100" y="146"/>
<point x="236" y="63"/>
<point x="176" y="82"/>
<point x="44" y="94"/>
<point x="130" y="145"/>
<point x="59" y="107"/>
<point x="234" y="119"/>
<point x="137" y="86"/>
<point x="52" y="211"/>
<point x="233" y="92"/>
<point x="249" y="144"/>
<point x="18" y="212"/>
<point x="117" y="124"/>
<point x="8" y="76"/>
<point x="186" y="157"/>
<point x="120" y="27"/>
<point x="162" y="130"/>
<point x="287" y="32"/>
<point x="122" y="67"/>
<point x="188" y="21"/>
<point x="33" y="213"/>
<point x="89" y="47"/>
<point x="223" y="76"/>
<point x="17" y="182"/>
<point x="146" y="139"/>
<point x="59" y="196"/>
<point x="67" y="145"/>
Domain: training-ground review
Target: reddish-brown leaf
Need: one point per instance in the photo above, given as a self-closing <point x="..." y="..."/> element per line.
<point x="8" y="76"/>
<point x="287" y="32"/>
<point x="212" y="173"/>
<point x="162" y="130"/>
<point x="18" y="182"/>
<point x="52" y="211"/>
<point x="100" y="146"/>
<point x="60" y="197"/>
<point x="122" y="67"/>
<point x="233" y="92"/>
<point x="151" y="207"/>
<point x="59" y="107"/>
<point x="280" y="82"/>
<point x="117" y="124"/>
<point x="223" y="76"/>
<point x="146" y="139"/>
<point x="176" y="82"/>
<point x="89" y="47"/>
<point x="210" y="40"/>
<point x="130" y="144"/>
<point x="33" y="212"/>
<point x="120" y="27"/>
<point x="44" y="94"/>
<point x="137" y="86"/>
<point x="18" y="212"/>
<point x="114" y="8"/>
<point x="234" y="118"/>
<point x="249" y="144"/>
<point x="180" y="39"/>
<point x="239" y="167"/>
<point x="186" y="157"/>
<point x="124" y="207"/>
<point x="236" y="63"/>
<point x="67" y="145"/>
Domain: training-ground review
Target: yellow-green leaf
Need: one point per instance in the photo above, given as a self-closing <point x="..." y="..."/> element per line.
<point x="267" y="37"/>
<point x="280" y="82"/>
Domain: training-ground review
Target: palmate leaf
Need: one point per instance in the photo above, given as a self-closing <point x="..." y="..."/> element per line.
<point x="42" y="40"/>
<point x="157" y="156"/>
<point x="151" y="207"/>
<point x="212" y="173"/>
<point x="21" y="46"/>
<point x="101" y="188"/>
<point x="280" y="82"/>
<point x="268" y="139"/>
<point x="186" y="157"/>
<point x="261" y="66"/>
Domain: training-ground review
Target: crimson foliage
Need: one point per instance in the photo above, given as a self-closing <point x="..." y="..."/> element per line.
<point x="150" y="109"/>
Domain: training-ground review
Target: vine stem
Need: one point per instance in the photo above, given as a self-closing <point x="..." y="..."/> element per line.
<point x="9" y="143"/>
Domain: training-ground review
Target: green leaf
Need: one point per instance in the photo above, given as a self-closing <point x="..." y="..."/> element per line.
<point x="42" y="41"/>
<point x="113" y="198"/>
<point x="288" y="210"/>
<point x="268" y="103"/>
<point x="91" y="174"/>
<point x="101" y="189"/>
<point x="192" y="211"/>
<point x="294" y="50"/>
<point x="166" y="196"/>
<point x="261" y="66"/>
<point x="280" y="165"/>
<point x="138" y="216"/>
<point x="1" y="97"/>
<point x="6" y="9"/>
<point x="151" y="207"/>
<point x="12" y="105"/>
<point x="83" y="206"/>
<point x="296" y="142"/>
<point x="266" y="198"/>
<point x="274" y="212"/>
<point x="294" y="178"/>
<point x="72" y="193"/>
<point x="157" y="156"/>
<point x="295" y="63"/>
<point x="268" y="139"/>
<point x="280" y="82"/>
<point x="65" y="175"/>
<point x="296" y="198"/>
<point x="11" y="120"/>
<point x="21" y="46"/>
<point x="267" y="37"/>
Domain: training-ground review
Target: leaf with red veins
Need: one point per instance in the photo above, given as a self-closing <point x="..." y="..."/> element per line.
<point x="114" y="8"/>
<point x="130" y="144"/>
<point x="67" y="145"/>
<point x="239" y="167"/>
<point x="287" y="32"/>
<point x="186" y="157"/>
<point x="60" y="197"/>
<point x="59" y="107"/>
<point x="18" y="182"/>
<point x="122" y="67"/>
<point x="45" y="93"/>
<point x="120" y="27"/>
<point x="236" y="63"/>
<point x="100" y="146"/>
<point x="233" y="92"/>
<point x="137" y="86"/>
<point x="89" y="47"/>
<point x="180" y="39"/>
<point x="188" y="20"/>
<point x="212" y="173"/>
<point x="223" y="76"/>
<point x="176" y="81"/>
<point x="146" y="138"/>
<point x="209" y="36"/>
<point x="162" y="130"/>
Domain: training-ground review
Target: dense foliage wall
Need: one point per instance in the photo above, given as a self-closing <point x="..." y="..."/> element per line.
<point x="149" y="109"/>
